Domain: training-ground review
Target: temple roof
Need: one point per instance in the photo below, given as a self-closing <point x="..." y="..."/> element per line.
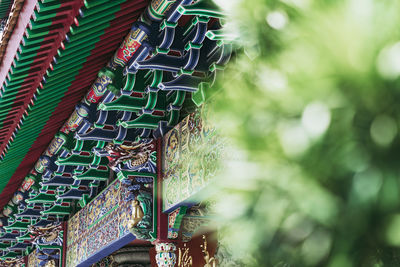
<point x="77" y="97"/>
<point x="50" y="74"/>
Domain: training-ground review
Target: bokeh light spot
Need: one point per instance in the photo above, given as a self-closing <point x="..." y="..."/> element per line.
<point x="293" y="138"/>
<point x="393" y="230"/>
<point x="383" y="130"/>
<point x="272" y="80"/>
<point x="277" y="19"/>
<point x="367" y="184"/>
<point x="388" y="64"/>
<point x="297" y="227"/>
<point x="316" y="247"/>
<point x="316" y="118"/>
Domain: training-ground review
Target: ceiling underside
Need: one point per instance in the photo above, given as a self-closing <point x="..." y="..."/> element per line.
<point x="32" y="110"/>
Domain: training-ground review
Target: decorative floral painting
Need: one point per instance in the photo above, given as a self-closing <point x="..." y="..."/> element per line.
<point x="100" y="223"/>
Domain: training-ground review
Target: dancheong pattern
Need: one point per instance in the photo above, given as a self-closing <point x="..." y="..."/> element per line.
<point x="190" y="151"/>
<point x="98" y="224"/>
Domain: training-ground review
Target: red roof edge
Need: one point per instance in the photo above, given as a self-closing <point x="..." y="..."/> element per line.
<point x="16" y="38"/>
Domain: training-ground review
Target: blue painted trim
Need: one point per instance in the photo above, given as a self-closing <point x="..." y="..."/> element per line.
<point x="186" y="202"/>
<point x="105" y="251"/>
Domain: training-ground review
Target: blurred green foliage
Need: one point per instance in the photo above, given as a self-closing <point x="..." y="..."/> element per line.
<point x="310" y="106"/>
